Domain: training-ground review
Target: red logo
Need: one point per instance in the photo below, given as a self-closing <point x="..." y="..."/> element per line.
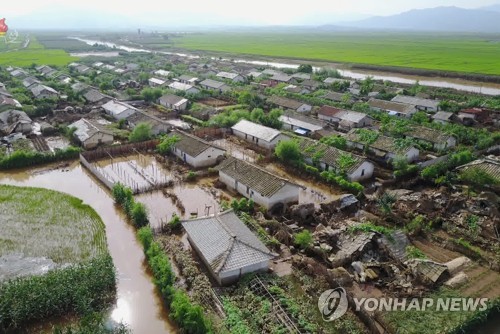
<point x="3" y="27"/>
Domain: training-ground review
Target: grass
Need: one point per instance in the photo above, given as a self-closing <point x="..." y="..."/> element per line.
<point x="45" y="223"/>
<point x="35" y="53"/>
<point x="467" y="53"/>
<point x="431" y="321"/>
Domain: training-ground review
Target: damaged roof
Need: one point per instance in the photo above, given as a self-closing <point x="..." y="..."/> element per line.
<point x="226" y="242"/>
<point x="258" y="179"/>
<point x="192" y="145"/>
<point x="285" y="102"/>
<point x="489" y="165"/>
<point x="428" y="134"/>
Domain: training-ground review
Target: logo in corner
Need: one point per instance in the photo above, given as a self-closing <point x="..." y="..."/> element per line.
<point x="333" y="304"/>
<point x="3" y="28"/>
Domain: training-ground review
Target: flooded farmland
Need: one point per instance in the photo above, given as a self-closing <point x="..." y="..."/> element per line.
<point x="138" y="303"/>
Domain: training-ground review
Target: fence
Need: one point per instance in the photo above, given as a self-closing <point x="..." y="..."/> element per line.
<point x="106" y="152"/>
<point x="210" y="133"/>
<point x="95" y="172"/>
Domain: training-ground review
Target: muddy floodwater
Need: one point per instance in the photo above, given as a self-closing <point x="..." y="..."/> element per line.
<point x="138" y="304"/>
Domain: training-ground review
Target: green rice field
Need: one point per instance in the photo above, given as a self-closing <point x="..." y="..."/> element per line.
<point x="467" y="53"/>
<point x="44" y="223"/>
<point x="35" y="53"/>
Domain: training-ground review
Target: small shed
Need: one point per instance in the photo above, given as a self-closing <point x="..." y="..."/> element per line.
<point x="195" y="151"/>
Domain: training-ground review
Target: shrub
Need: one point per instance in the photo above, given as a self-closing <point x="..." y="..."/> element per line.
<point x="413" y="252"/>
<point x="191" y="176"/>
<point x="79" y="289"/>
<point x="166" y="144"/>
<point x="139" y="215"/>
<point x="288" y="151"/>
<point x="303" y="239"/>
<point x="145" y="236"/>
<point x="175" y="222"/>
<point x="22" y="158"/>
<point x="141" y="132"/>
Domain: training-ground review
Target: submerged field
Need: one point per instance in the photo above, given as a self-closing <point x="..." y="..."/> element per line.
<point x="469" y="53"/>
<point x="35" y="53"/>
<point x="44" y="223"/>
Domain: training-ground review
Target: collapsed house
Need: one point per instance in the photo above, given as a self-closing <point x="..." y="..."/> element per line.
<point x="15" y="121"/>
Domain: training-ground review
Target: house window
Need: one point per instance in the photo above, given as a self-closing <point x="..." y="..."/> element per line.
<point x="248" y="189"/>
<point x="257" y="140"/>
<point x="246" y="136"/>
<point x="363" y="172"/>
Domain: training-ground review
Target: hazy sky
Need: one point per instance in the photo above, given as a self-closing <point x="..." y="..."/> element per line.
<point x="228" y="11"/>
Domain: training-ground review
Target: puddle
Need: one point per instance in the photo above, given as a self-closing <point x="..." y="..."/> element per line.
<point x="138" y="303"/>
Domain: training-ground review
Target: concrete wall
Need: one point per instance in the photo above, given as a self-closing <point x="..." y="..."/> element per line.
<point x="229" y="277"/>
<point x="205" y="159"/>
<point x="97" y="139"/>
<point x="289" y="193"/>
<point x="254" y="140"/>
<point x="364" y="172"/>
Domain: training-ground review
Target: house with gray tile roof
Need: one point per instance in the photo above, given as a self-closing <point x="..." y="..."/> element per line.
<point x="234" y="77"/>
<point x="257" y="134"/>
<point x="227" y="247"/>
<point x="256" y="183"/>
<point x="195" y="151"/>
<point x="300" y="123"/>
<point x="439" y="140"/>
<point x="330" y="158"/>
<point x="91" y="134"/>
<point x="386" y="148"/>
<point x="210" y="84"/>
<point x="392" y="108"/>
<point x="43" y="92"/>
<point x="173" y="102"/>
<point x="418" y="103"/>
<point x="286" y="103"/>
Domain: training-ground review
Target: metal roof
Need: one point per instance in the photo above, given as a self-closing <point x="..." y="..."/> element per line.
<point x="302" y="121"/>
<point x="256" y="130"/>
<point x="225" y="242"/>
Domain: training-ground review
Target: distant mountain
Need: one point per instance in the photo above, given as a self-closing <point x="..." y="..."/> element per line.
<point x="452" y="19"/>
<point x="493" y="8"/>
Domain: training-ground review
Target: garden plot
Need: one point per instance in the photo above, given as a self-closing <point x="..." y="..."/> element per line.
<point x="141" y="173"/>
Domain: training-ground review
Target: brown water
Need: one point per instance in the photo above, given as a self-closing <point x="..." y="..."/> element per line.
<point x="195" y="200"/>
<point x="138" y="303"/>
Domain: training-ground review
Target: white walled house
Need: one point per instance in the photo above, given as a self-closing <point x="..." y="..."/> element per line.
<point x="173" y="102"/>
<point x="361" y="169"/>
<point x="257" y="134"/>
<point x="196" y="152"/>
<point x="155" y="82"/>
<point x="227" y="247"/>
<point x="418" y="103"/>
<point x="43" y="92"/>
<point x="90" y="135"/>
<point x="255" y="183"/>
<point x="301" y="124"/>
<point x="184" y="87"/>
<point x="383" y="147"/>
<point x="439" y="140"/>
<point x="286" y="103"/>
<point x="346" y="119"/>
<point x="234" y="77"/>
<point x="119" y="110"/>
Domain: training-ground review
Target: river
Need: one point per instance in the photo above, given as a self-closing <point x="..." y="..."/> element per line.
<point x="138" y="304"/>
<point x="459" y="84"/>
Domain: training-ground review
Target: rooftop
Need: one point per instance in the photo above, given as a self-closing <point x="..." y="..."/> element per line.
<point x="401" y="108"/>
<point x="86" y="129"/>
<point x="256" y="130"/>
<point x="416" y="101"/>
<point x="428" y="134"/>
<point x="285" y="102"/>
<point x="302" y="121"/>
<point x="212" y="83"/>
<point x="226" y="242"/>
<point x="190" y="144"/>
<point x="256" y="178"/>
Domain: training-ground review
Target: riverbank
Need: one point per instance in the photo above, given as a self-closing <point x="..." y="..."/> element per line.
<point x="138" y="304"/>
<point x="486" y="88"/>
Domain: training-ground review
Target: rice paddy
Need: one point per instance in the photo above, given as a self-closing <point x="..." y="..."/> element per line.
<point x="35" y="53"/>
<point x="44" y="223"/>
<point x="468" y="53"/>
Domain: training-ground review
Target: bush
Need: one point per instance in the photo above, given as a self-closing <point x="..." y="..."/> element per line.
<point x="139" y="215"/>
<point x="243" y="205"/>
<point x="191" y="176"/>
<point x="141" y="132"/>
<point x="166" y="144"/>
<point x="175" y="222"/>
<point x="79" y="289"/>
<point x="22" y="158"/>
<point x="288" y="151"/>
<point x="303" y="239"/>
<point x="413" y="252"/>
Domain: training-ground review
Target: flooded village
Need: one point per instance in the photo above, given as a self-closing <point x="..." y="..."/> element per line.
<point x="233" y="195"/>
